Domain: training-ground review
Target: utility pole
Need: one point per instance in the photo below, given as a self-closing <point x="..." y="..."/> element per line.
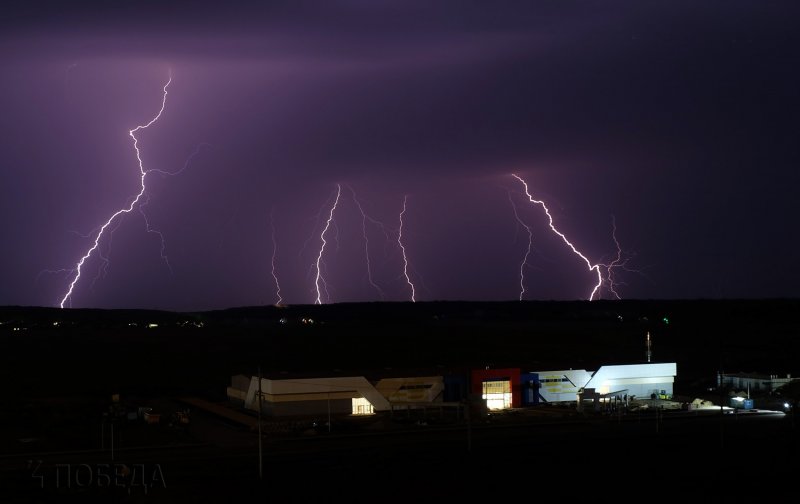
<point x="657" y="419"/>
<point x="468" y="416"/>
<point x="260" y="456"/>
<point x="721" y="413"/>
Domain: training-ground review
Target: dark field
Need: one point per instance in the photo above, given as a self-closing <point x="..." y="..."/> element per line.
<point x="60" y="367"/>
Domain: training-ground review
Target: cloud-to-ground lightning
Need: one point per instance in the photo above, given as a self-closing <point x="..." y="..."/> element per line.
<point x="403" y="249"/>
<point x="364" y="219"/>
<point x="319" y="277"/>
<point x="592" y="267"/>
<point x="121" y="211"/>
<point x="527" y="252"/>
<point x="274" y="257"/>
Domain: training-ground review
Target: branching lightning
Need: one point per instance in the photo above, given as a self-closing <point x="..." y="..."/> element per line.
<point x="121" y="211"/>
<point x="105" y="261"/>
<point x="274" y="255"/>
<point x="527" y="252"/>
<point x="402" y="247"/>
<point x="364" y="219"/>
<point x="592" y="267"/>
<point x="101" y="237"/>
<point x="319" y="277"/>
<point x="620" y="261"/>
<point x="146" y="201"/>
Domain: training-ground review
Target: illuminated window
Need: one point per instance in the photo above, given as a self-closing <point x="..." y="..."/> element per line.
<point x="497" y="394"/>
<point x="362" y="407"/>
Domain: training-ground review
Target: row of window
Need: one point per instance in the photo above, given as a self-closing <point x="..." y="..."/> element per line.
<point x="415" y="387"/>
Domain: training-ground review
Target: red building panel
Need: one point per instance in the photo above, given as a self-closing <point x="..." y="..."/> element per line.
<point x="478" y="376"/>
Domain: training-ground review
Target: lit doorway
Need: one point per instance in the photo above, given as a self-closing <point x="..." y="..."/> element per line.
<point x="497" y="394"/>
<point x="362" y="407"/>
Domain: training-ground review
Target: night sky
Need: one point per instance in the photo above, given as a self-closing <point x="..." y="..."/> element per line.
<point x="678" y="121"/>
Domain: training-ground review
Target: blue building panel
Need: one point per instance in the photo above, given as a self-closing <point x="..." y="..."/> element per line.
<point x="456" y="388"/>
<point x="529" y="382"/>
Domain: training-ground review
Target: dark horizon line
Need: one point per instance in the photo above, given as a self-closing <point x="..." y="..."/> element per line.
<point x="410" y="303"/>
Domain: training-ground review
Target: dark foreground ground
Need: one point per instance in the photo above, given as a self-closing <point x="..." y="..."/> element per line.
<point x="749" y="458"/>
<point x="59" y="369"/>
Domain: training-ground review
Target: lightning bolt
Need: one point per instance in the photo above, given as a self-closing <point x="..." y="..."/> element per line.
<point x="146" y="201"/>
<point x="274" y="255"/>
<point x="592" y="267"/>
<point x="364" y="219"/>
<point x="620" y="261"/>
<point x="527" y="252"/>
<point x="320" y="278"/>
<point x="121" y="211"/>
<point x="403" y="249"/>
<point x="103" y="269"/>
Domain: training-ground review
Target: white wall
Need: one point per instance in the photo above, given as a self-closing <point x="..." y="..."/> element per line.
<point x="636" y="379"/>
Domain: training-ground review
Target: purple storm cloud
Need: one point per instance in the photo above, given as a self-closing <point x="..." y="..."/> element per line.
<point x="661" y="136"/>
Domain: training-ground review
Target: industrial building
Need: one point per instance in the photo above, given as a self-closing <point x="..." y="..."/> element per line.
<point x="501" y="388"/>
<point x="335" y="395"/>
<point x="753" y="382"/>
<point x="631" y="380"/>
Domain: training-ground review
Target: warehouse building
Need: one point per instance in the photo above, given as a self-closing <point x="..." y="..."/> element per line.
<point x="510" y="388"/>
<point x="501" y="388"/>
<point x="335" y="395"/>
<point x="755" y="382"/>
<point x="629" y="380"/>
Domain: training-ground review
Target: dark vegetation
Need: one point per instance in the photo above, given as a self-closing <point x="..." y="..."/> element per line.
<point x="52" y="352"/>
